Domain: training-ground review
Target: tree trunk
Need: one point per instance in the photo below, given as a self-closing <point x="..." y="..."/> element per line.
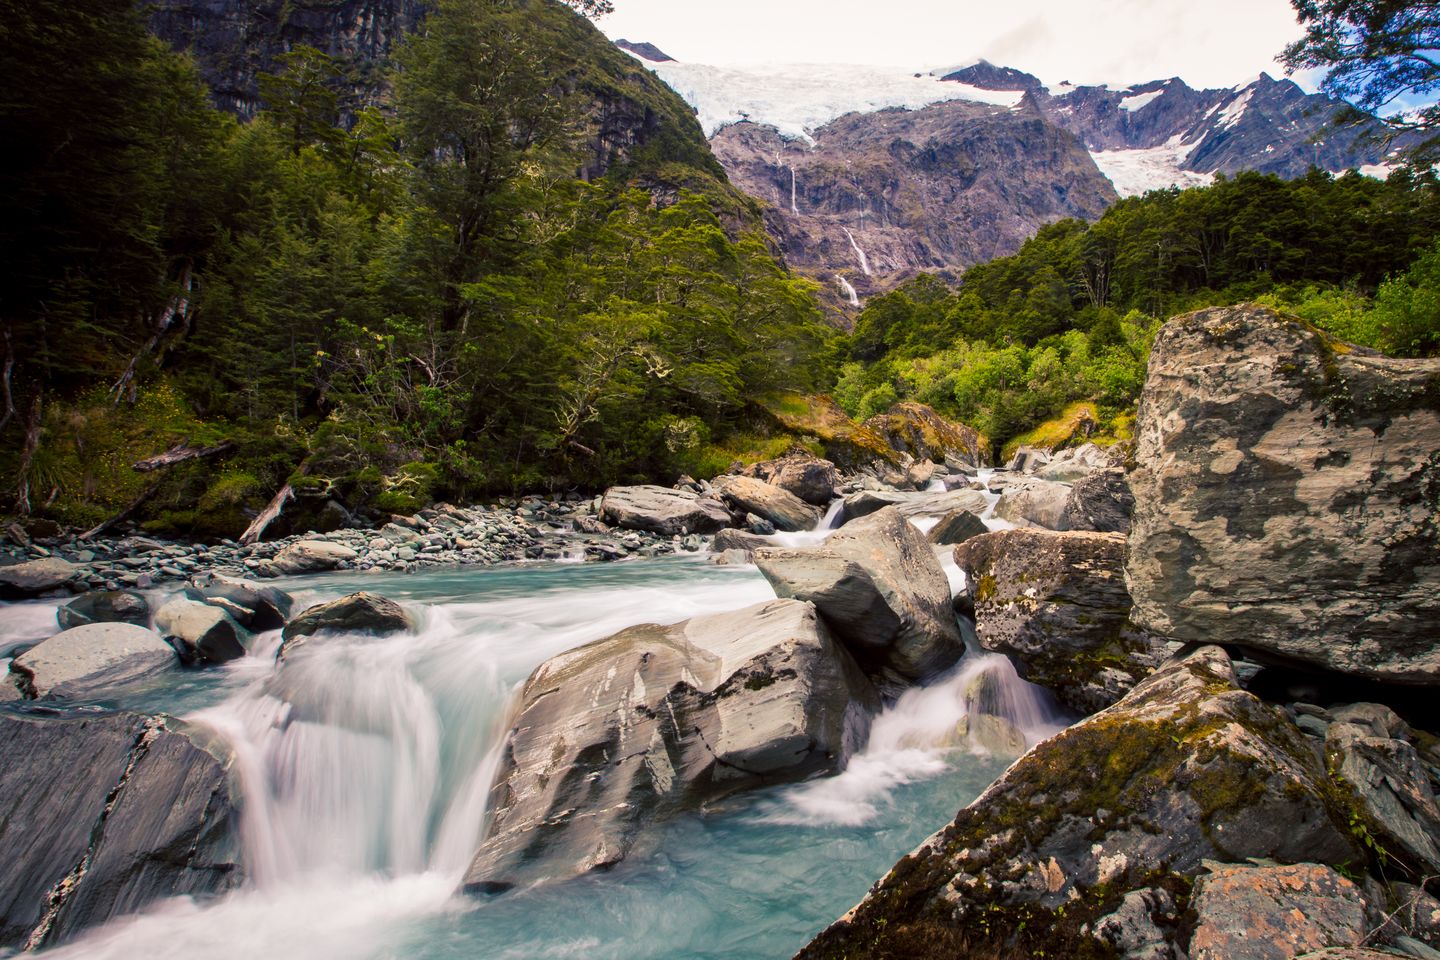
<point x="27" y="458"/>
<point x="179" y="454"/>
<point x="276" y="506"/>
<point x="125" y="514"/>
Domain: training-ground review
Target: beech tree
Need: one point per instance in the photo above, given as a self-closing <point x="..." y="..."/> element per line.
<point x="1378" y="55"/>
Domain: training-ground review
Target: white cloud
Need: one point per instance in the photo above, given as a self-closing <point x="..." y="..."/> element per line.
<point x="1213" y="44"/>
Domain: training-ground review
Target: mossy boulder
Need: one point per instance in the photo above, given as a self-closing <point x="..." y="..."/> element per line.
<point x="1187" y="768"/>
<point x="849" y="445"/>
<point x="919" y="432"/>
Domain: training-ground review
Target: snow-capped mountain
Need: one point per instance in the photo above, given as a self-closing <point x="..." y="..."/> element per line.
<point x="875" y="174"/>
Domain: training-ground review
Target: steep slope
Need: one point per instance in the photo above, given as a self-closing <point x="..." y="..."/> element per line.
<point x="876" y="198"/>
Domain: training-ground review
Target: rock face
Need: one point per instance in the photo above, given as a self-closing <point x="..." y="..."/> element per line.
<point x="1056" y="603"/>
<point x="809" y="478"/>
<point x="957" y="526"/>
<point x="878" y="586"/>
<point x="105" y="814"/>
<point x="104" y="606"/>
<point x="780" y="507"/>
<point x="200" y="632"/>
<point x="89" y="660"/>
<point x="311" y="556"/>
<point x="1187" y="768"/>
<point x="1034" y="502"/>
<point x="918" y="431"/>
<point x="1274" y="913"/>
<point x="357" y="613"/>
<point x="866" y="502"/>
<point x="33" y="577"/>
<point x="663" y="511"/>
<point x="657" y="720"/>
<point x="1285" y="495"/>
<point x="253" y="605"/>
<point x="1100" y="501"/>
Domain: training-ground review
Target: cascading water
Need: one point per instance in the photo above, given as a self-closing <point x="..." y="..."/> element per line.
<point x="794" y="207"/>
<point x="848" y="290"/>
<point x="864" y="260"/>
<point x="366" y="764"/>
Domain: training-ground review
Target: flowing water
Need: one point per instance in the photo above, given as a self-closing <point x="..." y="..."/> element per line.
<point x="366" y="762"/>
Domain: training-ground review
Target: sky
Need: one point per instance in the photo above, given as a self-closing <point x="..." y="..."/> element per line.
<point x="1213" y="43"/>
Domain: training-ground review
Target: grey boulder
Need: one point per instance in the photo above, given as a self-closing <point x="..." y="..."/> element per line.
<point x="105" y="814"/>
<point x="1100" y="501"/>
<point x="104" y="606"/>
<point x="1034" y="502"/>
<point x="957" y="526"/>
<point x="33" y="577"/>
<point x="655" y="721"/>
<point x="92" y="659"/>
<point x="866" y="502"/>
<point x="787" y="512"/>
<point x="809" y="478"/>
<point x="356" y="613"/>
<point x="254" y="606"/>
<point x="879" y="587"/>
<point x="311" y="556"/>
<point x="663" y="511"/>
<point x="200" y="632"/>
<point x="1056" y="603"/>
<point x="1285" y="496"/>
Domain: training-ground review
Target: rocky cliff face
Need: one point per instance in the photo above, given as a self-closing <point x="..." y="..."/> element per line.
<point x="880" y="197"/>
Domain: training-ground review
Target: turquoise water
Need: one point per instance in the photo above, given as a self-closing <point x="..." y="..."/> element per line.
<point x="366" y="764"/>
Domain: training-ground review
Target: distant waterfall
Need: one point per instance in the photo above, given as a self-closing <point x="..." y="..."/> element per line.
<point x="793" y="207"/>
<point x="864" y="260"/>
<point x="848" y="290"/>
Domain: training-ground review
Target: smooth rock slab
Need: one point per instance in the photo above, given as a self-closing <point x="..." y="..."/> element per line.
<point x="1034" y="502"/>
<point x="1056" y="603"/>
<point x="878" y="585"/>
<point x="663" y="511"/>
<point x="254" y="606"/>
<point x="1286" y="495"/>
<point x="130" y="809"/>
<point x="956" y="527"/>
<point x="34" y="577"/>
<point x="809" y="478"/>
<point x="104" y="606"/>
<point x="1274" y="913"/>
<point x="92" y="659"/>
<point x="311" y="556"/>
<point x="655" y="721"/>
<point x="201" y="632"/>
<point x="786" y="511"/>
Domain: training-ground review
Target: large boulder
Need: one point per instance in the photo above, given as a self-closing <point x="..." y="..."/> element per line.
<point x="880" y="589"/>
<point x="1072" y="463"/>
<point x="957" y="526"/>
<point x="357" y="613"/>
<point x="738" y="541"/>
<point x="786" y="511"/>
<point x="918" y="431"/>
<point x="104" y="606"/>
<point x="106" y="813"/>
<point x="1056" y="603"/>
<point x="1034" y="502"/>
<point x="1187" y="768"/>
<point x="254" y="606"/>
<point x="1285" y="496"/>
<point x="311" y="556"/>
<point x="663" y="511"/>
<point x="809" y="478"/>
<point x="33" y="577"/>
<point x="1277" y="912"/>
<point x="92" y="659"/>
<point x="1100" y="501"/>
<point x="849" y="445"/>
<point x="201" y="633"/>
<point x="866" y="502"/>
<point x="656" y="721"/>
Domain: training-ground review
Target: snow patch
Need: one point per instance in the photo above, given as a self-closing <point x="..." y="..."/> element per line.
<point x="1380" y="171"/>
<point x="1140" y="100"/>
<point x="1134" y="172"/>
<point x="1234" y="110"/>
<point x="797" y="99"/>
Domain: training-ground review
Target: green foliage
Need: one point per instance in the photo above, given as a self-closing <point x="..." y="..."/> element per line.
<point x="1070" y="317"/>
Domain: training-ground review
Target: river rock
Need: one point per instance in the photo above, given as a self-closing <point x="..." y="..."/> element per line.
<point x="104" y="606"/>
<point x="1275" y="912"/>
<point x="782" y="508"/>
<point x="880" y="589"/>
<point x="748" y="543"/>
<point x="663" y="511"/>
<point x="92" y="659"/>
<point x="1100" y="501"/>
<point x="254" y="606"/>
<point x="1285" y="496"/>
<point x="200" y="632"/>
<point x="311" y="556"/>
<point x="957" y="526"/>
<point x="1367" y="749"/>
<point x="809" y="478"/>
<point x="33" y="577"/>
<point x="866" y="502"/>
<point x="1056" y="604"/>
<point x="1034" y="502"/>
<point x="106" y="813"/>
<point x="357" y="613"/>
<point x="1187" y="768"/>
<point x="917" y="430"/>
<point x="656" y="721"/>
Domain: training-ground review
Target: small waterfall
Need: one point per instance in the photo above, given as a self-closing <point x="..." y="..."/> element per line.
<point x="794" y="208"/>
<point x="817" y="534"/>
<point x="848" y="290"/>
<point x="864" y="260"/>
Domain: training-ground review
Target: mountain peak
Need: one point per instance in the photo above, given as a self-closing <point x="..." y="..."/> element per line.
<point x="645" y="51"/>
<point x="987" y="76"/>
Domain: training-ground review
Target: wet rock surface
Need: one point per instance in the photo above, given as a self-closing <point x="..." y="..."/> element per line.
<point x="104" y="606"/>
<point x="1056" y="603"/>
<point x="1285" y="490"/>
<point x="31" y="578"/>
<point x="356" y="613"/>
<point x="663" y="510"/>
<point x="201" y="633"/>
<point x="653" y="721"/>
<point x="91" y="660"/>
<point x="105" y="814"/>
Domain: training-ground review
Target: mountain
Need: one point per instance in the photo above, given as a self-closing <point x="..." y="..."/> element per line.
<point x="873" y="175"/>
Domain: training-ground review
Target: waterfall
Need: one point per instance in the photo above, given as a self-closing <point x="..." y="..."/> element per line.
<point x="848" y="290"/>
<point x="793" y="207"/>
<point x="864" y="260"/>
